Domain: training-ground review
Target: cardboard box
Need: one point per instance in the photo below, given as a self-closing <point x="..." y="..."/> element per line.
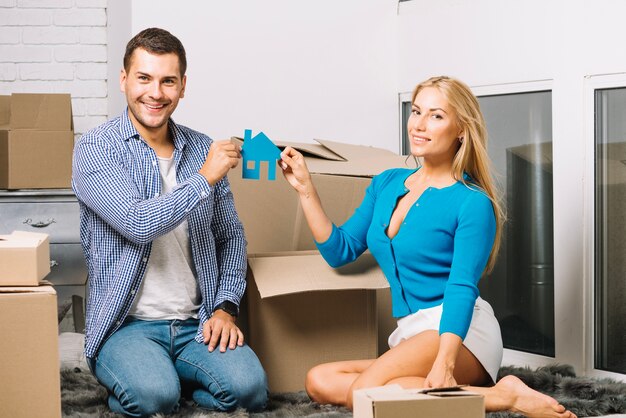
<point x="273" y="219"/>
<point x="24" y="258"/>
<point x="47" y="112"/>
<point x="395" y="402"/>
<point x="302" y="312"/>
<point x="36" y="141"/>
<point x="29" y="353"/>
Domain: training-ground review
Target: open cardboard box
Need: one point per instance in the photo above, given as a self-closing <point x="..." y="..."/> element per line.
<point x="395" y="402"/>
<point x="29" y="353"/>
<point x="309" y="326"/>
<point x="302" y="313"/>
<point x="36" y="141"/>
<point x="24" y="258"/>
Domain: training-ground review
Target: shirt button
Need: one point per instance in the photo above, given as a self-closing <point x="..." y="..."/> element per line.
<point x="145" y="259"/>
<point x="119" y="322"/>
<point x="154" y="163"/>
<point x="417" y="204"/>
<point x="156" y="195"/>
<point x="203" y="194"/>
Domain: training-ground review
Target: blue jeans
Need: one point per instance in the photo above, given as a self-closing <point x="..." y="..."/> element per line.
<point x="145" y="364"/>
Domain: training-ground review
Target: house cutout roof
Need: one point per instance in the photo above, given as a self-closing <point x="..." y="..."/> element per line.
<point x="256" y="150"/>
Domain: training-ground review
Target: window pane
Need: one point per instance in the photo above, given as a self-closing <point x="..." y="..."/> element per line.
<point x="406" y="113"/>
<point x="610" y="230"/>
<point x="521" y="287"/>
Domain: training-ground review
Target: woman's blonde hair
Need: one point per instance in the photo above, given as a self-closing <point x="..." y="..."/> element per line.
<point x="471" y="157"/>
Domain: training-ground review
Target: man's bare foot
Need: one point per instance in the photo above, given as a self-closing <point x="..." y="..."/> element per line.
<point x="529" y="402"/>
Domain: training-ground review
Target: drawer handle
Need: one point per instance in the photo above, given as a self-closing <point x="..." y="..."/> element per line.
<point x="40" y="224"/>
<point x="53" y="263"/>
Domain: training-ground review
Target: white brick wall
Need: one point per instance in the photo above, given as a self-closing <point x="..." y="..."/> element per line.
<point x="57" y="46"/>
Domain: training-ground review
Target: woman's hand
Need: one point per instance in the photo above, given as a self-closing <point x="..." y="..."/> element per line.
<point x="440" y="376"/>
<point x="297" y="174"/>
<point x="295" y="171"/>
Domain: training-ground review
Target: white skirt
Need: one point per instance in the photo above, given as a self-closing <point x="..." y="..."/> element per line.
<point x="483" y="339"/>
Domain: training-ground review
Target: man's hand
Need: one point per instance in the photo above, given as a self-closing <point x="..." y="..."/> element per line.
<point x="222" y="156"/>
<point x="221" y="328"/>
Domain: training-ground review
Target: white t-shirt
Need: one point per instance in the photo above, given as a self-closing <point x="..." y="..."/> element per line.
<point x="169" y="289"/>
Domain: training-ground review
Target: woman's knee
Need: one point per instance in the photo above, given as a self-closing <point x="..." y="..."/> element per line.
<point x="316" y="382"/>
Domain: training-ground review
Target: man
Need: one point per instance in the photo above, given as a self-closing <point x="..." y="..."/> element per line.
<point x="164" y="247"/>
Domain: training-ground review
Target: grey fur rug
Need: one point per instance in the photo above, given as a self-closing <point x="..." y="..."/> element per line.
<point x="83" y="397"/>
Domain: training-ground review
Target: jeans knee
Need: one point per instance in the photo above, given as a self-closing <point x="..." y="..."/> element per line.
<point x="149" y="400"/>
<point x="250" y="393"/>
<point x="253" y="393"/>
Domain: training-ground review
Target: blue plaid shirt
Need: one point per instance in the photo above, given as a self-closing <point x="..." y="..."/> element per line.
<point x="116" y="180"/>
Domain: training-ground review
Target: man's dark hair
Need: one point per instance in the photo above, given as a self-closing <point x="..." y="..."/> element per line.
<point x="156" y="41"/>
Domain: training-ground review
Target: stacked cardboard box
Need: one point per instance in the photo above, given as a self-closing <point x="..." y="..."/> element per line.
<point x="24" y="258"/>
<point x="36" y="141"/>
<point x="29" y="357"/>
<point x="29" y="353"/>
<point x="300" y="311"/>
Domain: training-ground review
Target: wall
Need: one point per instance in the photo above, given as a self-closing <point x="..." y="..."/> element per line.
<point x="295" y="70"/>
<point x="56" y="46"/>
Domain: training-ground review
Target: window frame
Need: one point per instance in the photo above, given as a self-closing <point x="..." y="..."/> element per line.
<point x="592" y="83"/>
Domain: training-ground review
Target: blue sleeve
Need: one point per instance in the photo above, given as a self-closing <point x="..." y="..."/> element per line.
<point x="473" y="241"/>
<point x="348" y="242"/>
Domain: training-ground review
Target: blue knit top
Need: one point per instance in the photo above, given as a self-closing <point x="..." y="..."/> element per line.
<point x="438" y="254"/>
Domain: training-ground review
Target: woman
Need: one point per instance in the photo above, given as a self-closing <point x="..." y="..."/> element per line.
<point x="434" y="230"/>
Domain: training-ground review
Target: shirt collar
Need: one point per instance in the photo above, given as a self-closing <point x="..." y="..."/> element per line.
<point x="128" y="130"/>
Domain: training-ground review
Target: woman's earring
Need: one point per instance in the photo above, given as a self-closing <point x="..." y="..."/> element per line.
<point x="460" y="139"/>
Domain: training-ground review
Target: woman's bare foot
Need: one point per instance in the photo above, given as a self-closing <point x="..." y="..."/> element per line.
<point x="524" y="400"/>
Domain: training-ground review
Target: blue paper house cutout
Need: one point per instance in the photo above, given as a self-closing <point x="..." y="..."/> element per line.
<point x="256" y="151"/>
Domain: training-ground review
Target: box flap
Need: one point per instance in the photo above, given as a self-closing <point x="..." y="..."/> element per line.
<point x="330" y="157"/>
<point x="51" y="112"/>
<point x="308" y="150"/>
<point x="313" y="150"/>
<point x="458" y="390"/>
<point x="22" y="239"/>
<point x="45" y="287"/>
<point x="396" y="392"/>
<point x="282" y="274"/>
<point x="361" y="161"/>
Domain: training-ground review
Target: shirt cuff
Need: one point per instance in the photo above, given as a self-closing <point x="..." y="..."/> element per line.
<point x="200" y="185"/>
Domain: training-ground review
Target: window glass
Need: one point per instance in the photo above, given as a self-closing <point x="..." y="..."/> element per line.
<point x="610" y="230"/>
<point x="521" y="287"/>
